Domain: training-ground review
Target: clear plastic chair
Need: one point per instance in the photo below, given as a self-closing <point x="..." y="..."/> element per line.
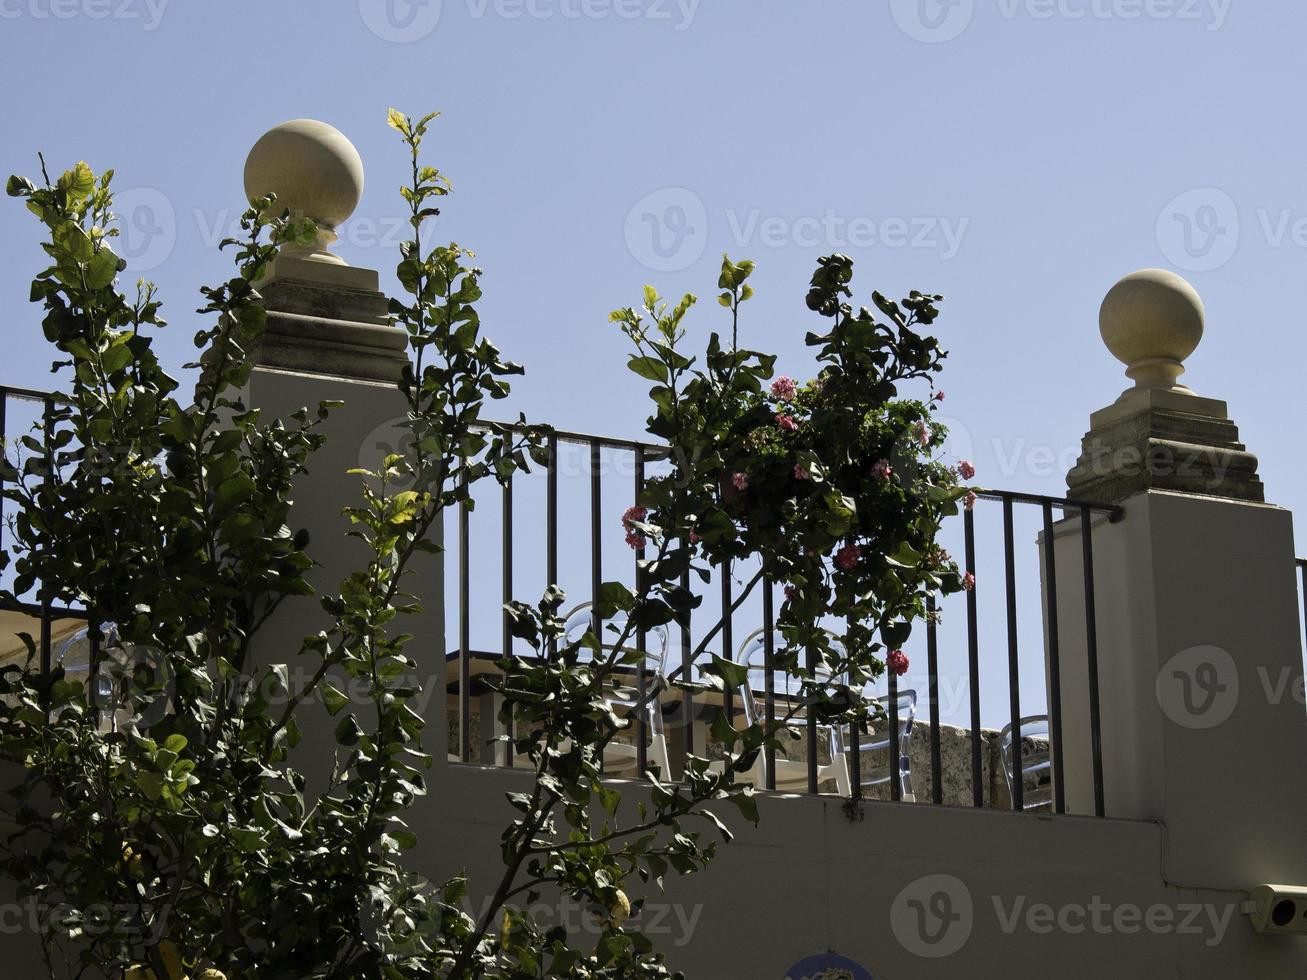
<point x="74" y="656"/>
<point x="625" y="700"/>
<point x="117" y="663"/>
<point x="874" y="742"/>
<point x="789" y="771"/>
<point x="1036" y="762"/>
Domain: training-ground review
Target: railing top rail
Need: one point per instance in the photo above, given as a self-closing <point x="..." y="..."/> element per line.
<point x="1115" y="511"/>
<point x="657" y="449"/>
<point x="27" y="394"/>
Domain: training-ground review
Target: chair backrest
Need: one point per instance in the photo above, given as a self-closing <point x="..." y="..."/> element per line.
<point x="74" y="656"/>
<point x="116" y="664"/>
<point x="753" y="654"/>
<point x="1036" y="758"/>
<point x="906" y="702"/>
<point x="656" y="640"/>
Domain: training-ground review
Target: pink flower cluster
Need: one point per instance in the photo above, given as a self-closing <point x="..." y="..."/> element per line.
<point x="923" y="434"/>
<point x="847" y="557"/>
<point x="784" y="388"/>
<point x="897" y="662"/>
<point x="787" y="422"/>
<point x="634" y="537"/>
<point x="740" y="481"/>
<point x="968" y="582"/>
<point x="966" y="469"/>
<point x="969" y="501"/>
<point x="799" y="472"/>
<point x="881" y="469"/>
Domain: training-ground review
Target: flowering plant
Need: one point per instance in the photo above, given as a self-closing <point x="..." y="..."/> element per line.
<point x="835" y="485"/>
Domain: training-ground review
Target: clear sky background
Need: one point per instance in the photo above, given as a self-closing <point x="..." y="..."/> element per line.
<point x="1018" y="156"/>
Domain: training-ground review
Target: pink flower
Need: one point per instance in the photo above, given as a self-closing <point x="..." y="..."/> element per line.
<point x="784" y="388"/>
<point x="636" y="540"/>
<point x="969" y="501"/>
<point x="847" y="557"/>
<point x="787" y="422"/>
<point x="937" y="397"/>
<point x="694" y="537"/>
<point x="789" y="592"/>
<point x="966" y="469"/>
<point x="968" y="582"/>
<point x="799" y="472"/>
<point x="632" y="515"/>
<point x="881" y="469"/>
<point x="740" y="481"/>
<point x="923" y="434"/>
<point x="897" y="662"/>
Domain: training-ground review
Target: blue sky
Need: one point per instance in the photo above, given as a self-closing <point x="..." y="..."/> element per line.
<point x="1018" y="156"/>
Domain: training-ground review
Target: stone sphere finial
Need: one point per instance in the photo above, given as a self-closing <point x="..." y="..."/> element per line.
<point x="1152" y="320"/>
<point x="316" y="173"/>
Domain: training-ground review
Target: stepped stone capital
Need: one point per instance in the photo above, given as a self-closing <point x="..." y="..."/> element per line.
<point x="1159" y="435"/>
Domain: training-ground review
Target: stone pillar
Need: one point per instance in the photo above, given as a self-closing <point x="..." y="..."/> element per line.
<point x="328" y="338"/>
<point x="1199" y="652"/>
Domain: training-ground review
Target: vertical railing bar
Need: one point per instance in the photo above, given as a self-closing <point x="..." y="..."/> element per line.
<point x="1054" y="662"/>
<point x="810" y="719"/>
<point x="551" y="522"/>
<point x="93" y="674"/>
<point x="687" y="697"/>
<point x="507" y="593"/>
<point x="932" y="665"/>
<point x="973" y="660"/>
<point x="1013" y="656"/>
<point x="642" y="693"/>
<point x="1091" y="646"/>
<point x="769" y="678"/>
<point x="728" y="643"/>
<point x="855" y="731"/>
<point x="596" y="548"/>
<point x="895" y="751"/>
<point x="1302" y="568"/>
<point x="47" y="432"/>
<point x="464" y="631"/>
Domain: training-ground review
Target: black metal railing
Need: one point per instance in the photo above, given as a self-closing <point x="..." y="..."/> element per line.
<point x="40" y="613"/>
<point x="590" y="559"/>
<point x="598" y="461"/>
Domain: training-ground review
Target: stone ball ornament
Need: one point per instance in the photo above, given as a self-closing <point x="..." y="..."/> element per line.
<point x="1152" y="320"/>
<point x="316" y="173"/>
